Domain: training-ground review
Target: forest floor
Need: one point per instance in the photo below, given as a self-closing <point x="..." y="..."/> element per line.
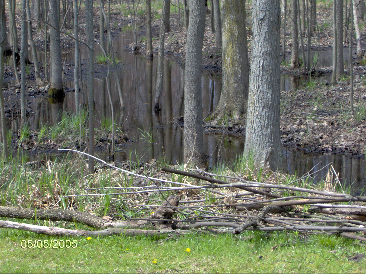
<point x="315" y="118"/>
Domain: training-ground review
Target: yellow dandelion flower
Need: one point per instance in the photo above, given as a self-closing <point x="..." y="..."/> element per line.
<point x="89" y="238"/>
<point x="127" y="249"/>
<point x="188" y="250"/>
<point x="155" y="261"/>
<point x="152" y="213"/>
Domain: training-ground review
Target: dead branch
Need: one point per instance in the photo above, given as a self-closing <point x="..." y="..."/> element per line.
<point x="53" y="215"/>
<point x="56" y="231"/>
<point x="184" y="173"/>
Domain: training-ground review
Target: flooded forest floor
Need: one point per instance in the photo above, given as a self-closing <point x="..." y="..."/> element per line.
<point x="315" y="118"/>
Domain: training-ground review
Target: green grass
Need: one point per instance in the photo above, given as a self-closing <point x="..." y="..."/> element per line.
<point x="251" y="252"/>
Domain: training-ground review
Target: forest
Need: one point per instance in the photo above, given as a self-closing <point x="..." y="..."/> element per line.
<point x="165" y="118"/>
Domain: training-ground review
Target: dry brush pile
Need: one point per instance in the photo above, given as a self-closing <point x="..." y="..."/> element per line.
<point x="209" y="204"/>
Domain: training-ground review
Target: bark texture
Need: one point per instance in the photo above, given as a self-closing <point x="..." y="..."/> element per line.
<point x="235" y="64"/>
<point x="149" y="48"/>
<point x="56" y="89"/>
<point x="262" y="140"/>
<point x="339" y="25"/>
<point x="193" y="128"/>
<point x="295" y="37"/>
<point x="217" y="19"/>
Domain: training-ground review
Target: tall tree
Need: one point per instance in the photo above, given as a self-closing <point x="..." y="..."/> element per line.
<point x="90" y="43"/>
<point x="76" y="56"/>
<point x="313" y="16"/>
<point x="339" y="25"/>
<point x="262" y="139"/>
<point x="2" y="107"/>
<point x="193" y="128"/>
<point x="166" y="14"/>
<point x="217" y="18"/>
<point x="356" y="18"/>
<point x="335" y="42"/>
<point x="186" y="13"/>
<point x="33" y="46"/>
<point x="24" y="44"/>
<point x="56" y="88"/>
<point x="235" y="64"/>
<point x="295" y="37"/>
<point x="101" y="25"/>
<point x="160" y="75"/>
<point x="149" y="48"/>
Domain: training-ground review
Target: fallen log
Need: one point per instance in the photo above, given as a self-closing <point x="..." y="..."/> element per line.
<point x="53" y="215"/>
<point x="57" y="231"/>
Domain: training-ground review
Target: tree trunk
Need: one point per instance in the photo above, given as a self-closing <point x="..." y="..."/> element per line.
<point x="284" y="30"/>
<point x="356" y="18"/>
<point x="335" y="41"/>
<point x="193" y="128"/>
<point x="166" y="14"/>
<point x="295" y="38"/>
<point x="339" y="23"/>
<point x="217" y="17"/>
<point x="101" y="26"/>
<point x="313" y="21"/>
<point x="77" y="58"/>
<point x="159" y="79"/>
<point x="149" y="47"/>
<point x="6" y="46"/>
<point x="262" y="139"/>
<point x="186" y="13"/>
<point x="212" y="17"/>
<point x="302" y="12"/>
<point x="2" y="107"/>
<point x="56" y="88"/>
<point x="33" y="46"/>
<point x="22" y="62"/>
<point x="90" y="77"/>
<point x="235" y="64"/>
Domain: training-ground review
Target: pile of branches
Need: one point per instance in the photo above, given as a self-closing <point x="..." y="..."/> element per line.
<point x="247" y="206"/>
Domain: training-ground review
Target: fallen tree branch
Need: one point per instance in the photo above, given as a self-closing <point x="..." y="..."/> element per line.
<point x="189" y="174"/>
<point x="56" y="231"/>
<point x="53" y="215"/>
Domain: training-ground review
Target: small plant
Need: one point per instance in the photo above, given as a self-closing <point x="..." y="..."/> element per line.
<point x="42" y="133"/>
<point x="24" y="132"/>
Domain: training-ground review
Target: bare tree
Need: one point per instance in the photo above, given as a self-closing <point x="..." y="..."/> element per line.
<point x="295" y="37"/>
<point x="159" y="80"/>
<point x="339" y="25"/>
<point x="2" y="107"/>
<point x="149" y="48"/>
<point x="235" y="64"/>
<point x="22" y="62"/>
<point x="262" y="138"/>
<point x="101" y="25"/>
<point x="90" y="42"/>
<point x="77" y="57"/>
<point x="33" y="46"/>
<point x="313" y="16"/>
<point x="193" y="128"/>
<point x="166" y="14"/>
<point x="356" y="18"/>
<point x="56" y="87"/>
<point x="217" y="17"/>
<point x="335" y="41"/>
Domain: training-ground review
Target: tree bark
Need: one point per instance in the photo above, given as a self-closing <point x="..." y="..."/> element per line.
<point x="2" y="107"/>
<point x="339" y="23"/>
<point x="235" y="65"/>
<point x="335" y="41"/>
<point x="356" y="20"/>
<point x="149" y="48"/>
<point x="262" y="138"/>
<point x="160" y="75"/>
<point x="76" y="57"/>
<point x="56" y="88"/>
<point x="217" y="17"/>
<point x="101" y="26"/>
<point x="24" y="45"/>
<point x="33" y="46"/>
<point x="295" y="38"/>
<point x="193" y="120"/>
<point x="313" y="20"/>
<point x="90" y="77"/>
<point x="166" y="15"/>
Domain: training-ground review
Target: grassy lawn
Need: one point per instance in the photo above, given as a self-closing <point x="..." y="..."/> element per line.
<point x="251" y="252"/>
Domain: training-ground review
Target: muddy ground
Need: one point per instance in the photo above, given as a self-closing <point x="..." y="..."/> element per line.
<point x="315" y="119"/>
